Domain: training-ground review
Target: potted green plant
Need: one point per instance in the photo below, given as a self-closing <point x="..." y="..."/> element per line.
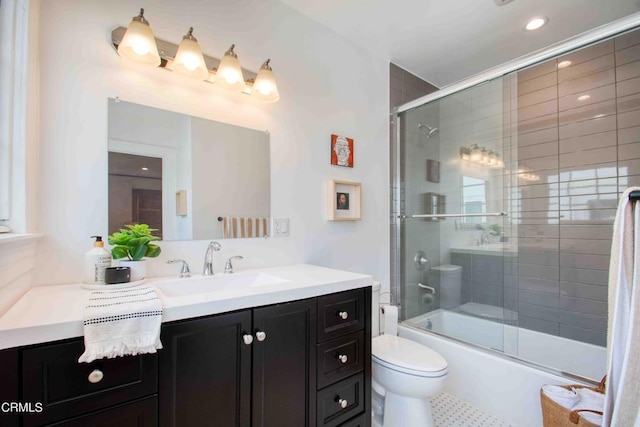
<point x="134" y="244"/>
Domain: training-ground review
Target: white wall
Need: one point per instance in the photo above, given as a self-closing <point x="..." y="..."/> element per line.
<point x="327" y="85"/>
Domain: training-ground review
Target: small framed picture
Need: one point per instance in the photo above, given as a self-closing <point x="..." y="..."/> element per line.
<point x="433" y="170"/>
<point x="341" y="151"/>
<point x="344" y="200"/>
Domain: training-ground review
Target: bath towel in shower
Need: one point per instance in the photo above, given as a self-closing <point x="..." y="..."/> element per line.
<point x="622" y="397"/>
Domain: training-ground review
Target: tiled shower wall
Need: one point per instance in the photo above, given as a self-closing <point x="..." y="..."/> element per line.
<point x="579" y="135"/>
<point x="403" y="87"/>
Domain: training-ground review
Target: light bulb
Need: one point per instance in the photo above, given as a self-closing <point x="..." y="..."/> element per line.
<point x="476" y="153"/>
<point x="229" y="73"/>
<point x="138" y="42"/>
<point x="536" y="23"/>
<point x="189" y="60"/>
<point x="264" y="86"/>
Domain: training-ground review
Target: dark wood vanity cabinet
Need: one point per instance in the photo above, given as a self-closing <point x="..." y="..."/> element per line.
<point x="300" y="363"/>
<point x="253" y="367"/>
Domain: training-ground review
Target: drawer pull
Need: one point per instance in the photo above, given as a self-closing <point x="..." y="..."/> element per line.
<point x="342" y="358"/>
<point x="343" y="315"/>
<point x="342" y="402"/>
<point x="248" y="339"/>
<point x="95" y="376"/>
<point x="261" y="336"/>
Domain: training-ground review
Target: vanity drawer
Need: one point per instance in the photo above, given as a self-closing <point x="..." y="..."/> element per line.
<point x="52" y="375"/>
<point x="330" y="401"/>
<point x="340" y="358"/>
<point x="141" y="413"/>
<point x="340" y="314"/>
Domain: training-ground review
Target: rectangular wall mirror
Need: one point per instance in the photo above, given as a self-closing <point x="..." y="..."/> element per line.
<point x="191" y="178"/>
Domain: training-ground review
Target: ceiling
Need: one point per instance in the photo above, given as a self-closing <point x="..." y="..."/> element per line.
<point x="445" y="41"/>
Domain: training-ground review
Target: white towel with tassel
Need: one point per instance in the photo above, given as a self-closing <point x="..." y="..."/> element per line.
<point x="121" y="322"/>
<point x="622" y="396"/>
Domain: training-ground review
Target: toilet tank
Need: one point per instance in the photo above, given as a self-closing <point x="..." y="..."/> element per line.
<point x="448" y="279"/>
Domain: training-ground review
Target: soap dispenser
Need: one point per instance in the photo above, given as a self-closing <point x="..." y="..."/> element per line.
<point x="95" y="262"/>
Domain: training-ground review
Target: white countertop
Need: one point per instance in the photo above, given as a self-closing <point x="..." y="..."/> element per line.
<point x="50" y="313"/>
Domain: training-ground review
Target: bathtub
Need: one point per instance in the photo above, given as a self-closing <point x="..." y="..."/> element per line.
<point x="506" y="381"/>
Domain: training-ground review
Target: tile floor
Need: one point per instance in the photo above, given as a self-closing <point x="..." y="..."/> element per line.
<point x="449" y="411"/>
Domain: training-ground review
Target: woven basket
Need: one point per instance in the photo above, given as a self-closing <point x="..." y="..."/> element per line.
<point x="556" y="415"/>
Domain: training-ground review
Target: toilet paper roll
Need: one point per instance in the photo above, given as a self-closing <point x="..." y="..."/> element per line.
<point x="389" y="316"/>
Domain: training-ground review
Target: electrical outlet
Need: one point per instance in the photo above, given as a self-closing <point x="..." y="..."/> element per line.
<point x="280" y="227"/>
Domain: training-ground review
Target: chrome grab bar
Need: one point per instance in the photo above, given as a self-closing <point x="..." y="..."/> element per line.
<point x="459" y="215"/>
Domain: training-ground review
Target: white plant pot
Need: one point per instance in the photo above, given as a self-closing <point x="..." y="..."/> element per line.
<point x="138" y="269"/>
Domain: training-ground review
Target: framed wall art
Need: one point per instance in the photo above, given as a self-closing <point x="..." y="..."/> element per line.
<point x="344" y="200"/>
<point x="341" y="151"/>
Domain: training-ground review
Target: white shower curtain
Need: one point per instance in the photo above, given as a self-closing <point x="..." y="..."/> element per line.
<point x="622" y="398"/>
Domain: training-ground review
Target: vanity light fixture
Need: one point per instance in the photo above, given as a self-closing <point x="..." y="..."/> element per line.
<point x="482" y="156"/>
<point x="188" y="59"/>
<point x="536" y="23"/>
<point x="138" y="42"/>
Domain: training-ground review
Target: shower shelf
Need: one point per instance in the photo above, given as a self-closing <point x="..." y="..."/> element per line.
<point x="461" y="215"/>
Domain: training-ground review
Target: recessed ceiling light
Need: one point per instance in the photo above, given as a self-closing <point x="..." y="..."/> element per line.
<point x="564" y="64"/>
<point x="144" y="168"/>
<point x="536" y="23"/>
<point x="583" y="97"/>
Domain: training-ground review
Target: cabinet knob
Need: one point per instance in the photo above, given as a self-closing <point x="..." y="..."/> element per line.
<point x="342" y="358"/>
<point x="261" y="336"/>
<point x="342" y="402"/>
<point x="248" y="339"/>
<point x="343" y="315"/>
<point x="95" y="376"/>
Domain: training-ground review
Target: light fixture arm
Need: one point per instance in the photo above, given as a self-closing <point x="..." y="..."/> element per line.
<point x="140" y="18"/>
<point x="189" y="35"/>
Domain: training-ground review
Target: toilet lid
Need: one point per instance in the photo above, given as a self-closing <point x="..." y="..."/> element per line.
<point x="407" y="356"/>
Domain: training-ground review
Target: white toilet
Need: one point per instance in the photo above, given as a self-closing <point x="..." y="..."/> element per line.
<point x="406" y="374"/>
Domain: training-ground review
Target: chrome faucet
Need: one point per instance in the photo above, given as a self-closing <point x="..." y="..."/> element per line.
<point x="207" y="270"/>
<point x="228" y="268"/>
<point x="184" y="271"/>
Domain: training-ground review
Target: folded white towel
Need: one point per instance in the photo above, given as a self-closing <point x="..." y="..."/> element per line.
<point x="560" y="395"/>
<point x="121" y="322"/>
<point x="592" y="418"/>
<point x="589" y="399"/>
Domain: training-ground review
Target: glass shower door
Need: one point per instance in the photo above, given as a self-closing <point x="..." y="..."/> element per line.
<point x="454" y="249"/>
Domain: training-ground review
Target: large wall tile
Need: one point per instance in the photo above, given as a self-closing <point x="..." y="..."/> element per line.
<point x="583" y="290"/>
<point x="587" y="68"/>
<point x="588" y="142"/>
<point x="595" y="95"/>
<point x="584" y="335"/>
<point x="583" y="305"/>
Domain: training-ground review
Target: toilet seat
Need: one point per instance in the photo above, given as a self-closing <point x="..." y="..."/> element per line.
<point x="409" y="357"/>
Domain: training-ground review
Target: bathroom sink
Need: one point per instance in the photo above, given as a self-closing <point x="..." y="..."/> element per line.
<point x="217" y="283"/>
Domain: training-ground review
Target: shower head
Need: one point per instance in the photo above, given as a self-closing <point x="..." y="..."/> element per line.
<point x="431" y="131"/>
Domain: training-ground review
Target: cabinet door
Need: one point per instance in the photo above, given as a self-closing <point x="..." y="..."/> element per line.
<point x="205" y="372"/>
<point x="284" y="365"/>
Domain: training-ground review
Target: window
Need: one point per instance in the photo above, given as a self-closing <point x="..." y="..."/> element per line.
<point x="474" y="199"/>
